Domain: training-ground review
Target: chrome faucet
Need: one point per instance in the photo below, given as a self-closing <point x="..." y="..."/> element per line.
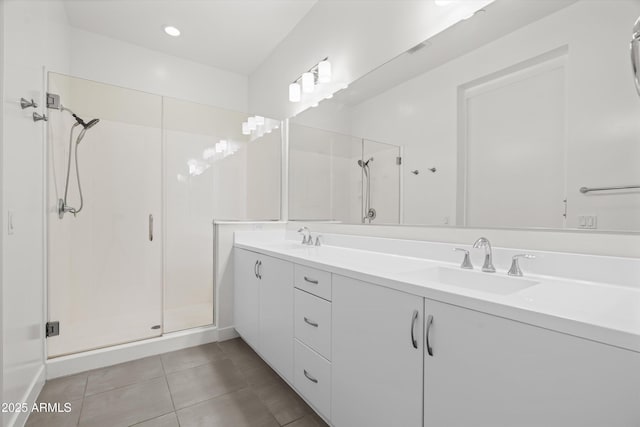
<point x="483" y="242"/>
<point x="515" y="269"/>
<point x="306" y="236"/>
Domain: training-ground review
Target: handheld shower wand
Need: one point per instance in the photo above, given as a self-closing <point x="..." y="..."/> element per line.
<point x="63" y="207"/>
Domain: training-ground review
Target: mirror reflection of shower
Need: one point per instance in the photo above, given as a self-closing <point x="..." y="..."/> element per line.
<point x="369" y="214"/>
<point x="53" y="101"/>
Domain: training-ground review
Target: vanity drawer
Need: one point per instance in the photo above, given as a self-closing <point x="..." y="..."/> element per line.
<point x="312" y="378"/>
<point x="314" y="281"/>
<point x="312" y="322"/>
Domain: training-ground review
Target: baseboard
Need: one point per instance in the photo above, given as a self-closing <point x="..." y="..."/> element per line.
<point x="94" y="359"/>
<point x="19" y="419"/>
<point x="228" y="333"/>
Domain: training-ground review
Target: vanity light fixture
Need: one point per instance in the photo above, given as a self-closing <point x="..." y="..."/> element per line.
<point x="294" y="92"/>
<point x="171" y="31"/>
<point x="307" y="81"/>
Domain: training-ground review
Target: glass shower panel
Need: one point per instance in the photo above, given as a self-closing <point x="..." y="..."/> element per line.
<point x="212" y="171"/>
<point x="384" y="173"/>
<point x="104" y="264"/>
<point x="325" y="181"/>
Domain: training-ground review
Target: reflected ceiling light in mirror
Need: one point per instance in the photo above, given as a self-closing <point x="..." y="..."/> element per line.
<point x="172" y="31"/>
<point x="294" y="92"/>
<point x="324" y="71"/>
<point x="308" y="82"/>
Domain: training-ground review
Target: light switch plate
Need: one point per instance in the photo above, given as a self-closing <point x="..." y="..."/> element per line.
<point x="588" y="222"/>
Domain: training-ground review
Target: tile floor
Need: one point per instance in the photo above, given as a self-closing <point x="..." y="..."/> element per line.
<point x="218" y="384"/>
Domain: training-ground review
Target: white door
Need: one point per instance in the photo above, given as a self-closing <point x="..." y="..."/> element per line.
<point x="275" y="279"/>
<point x="488" y="371"/>
<point x="246" y="299"/>
<point x="515" y="148"/>
<point x="376" y="356"/>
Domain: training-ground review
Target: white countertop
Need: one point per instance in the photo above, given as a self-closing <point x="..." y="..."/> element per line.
<point x="602" y="312"/>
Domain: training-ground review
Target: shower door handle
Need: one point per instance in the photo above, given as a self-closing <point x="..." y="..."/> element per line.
<point x="150" y="227"/>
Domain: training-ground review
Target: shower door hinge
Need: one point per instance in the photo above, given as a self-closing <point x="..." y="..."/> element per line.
<point x="52" y="329"/>
<point x="398" y="160"/>
<point x="53" y="101"/>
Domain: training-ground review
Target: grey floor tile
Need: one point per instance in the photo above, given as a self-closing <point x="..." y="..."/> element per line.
<point x="64" y="389"/>
<point x="168" y="420"/>
<point x="55" y="419"/>
<point x="123" y="374"/>
<point x="235" y="347"/>
<point x="127" y="405"/>
<point x="283" y="403"/>
<point x="191" y="357"/>
<point x="204" y="382"/>
<point x="311" y="420"/>
<point x="259" y="376"/>
<point x="238" y="409"/>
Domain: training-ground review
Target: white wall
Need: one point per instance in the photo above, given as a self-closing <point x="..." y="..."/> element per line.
<point x="357" y="37"/>
<point x="103" y="59"/>
<point x="35" y="35"/>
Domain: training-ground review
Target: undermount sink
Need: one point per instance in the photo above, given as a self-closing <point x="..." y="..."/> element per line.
<point x="478" y="281"/>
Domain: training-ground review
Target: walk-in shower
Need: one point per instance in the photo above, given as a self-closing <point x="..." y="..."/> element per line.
<point x="53" y="101"/>
<point x="369" y="213"/>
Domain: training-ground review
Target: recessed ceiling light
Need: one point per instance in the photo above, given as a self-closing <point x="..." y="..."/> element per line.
<point x="172" y="31"/>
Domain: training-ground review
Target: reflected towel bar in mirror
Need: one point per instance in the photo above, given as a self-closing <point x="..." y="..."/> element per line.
<point x="584" y="190"/>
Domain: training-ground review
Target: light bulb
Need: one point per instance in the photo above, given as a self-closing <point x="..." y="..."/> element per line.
<point x="259" y="120"/>
<point x="171" y="31"/>
<point x="324" y="71"/>
<point x="245" y="129"/>
<point x="294" y="92"/>
<point x="307" y="82"/>
<point x="252" y="123"/>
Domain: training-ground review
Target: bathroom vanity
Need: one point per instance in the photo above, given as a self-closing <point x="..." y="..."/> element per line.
<point x="388" y="338"/>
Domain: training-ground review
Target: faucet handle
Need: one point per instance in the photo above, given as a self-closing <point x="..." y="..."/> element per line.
<point x="515" y="265"/>
<point x="466" y="262"/>
<point x="319" y="239"/>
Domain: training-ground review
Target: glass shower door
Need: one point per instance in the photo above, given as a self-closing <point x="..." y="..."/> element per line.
<point x="105" y="264"/>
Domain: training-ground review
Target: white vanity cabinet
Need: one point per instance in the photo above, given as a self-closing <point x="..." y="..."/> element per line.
<point x="263" y="307"/>
<point x="487" y="371"/>
<point x="377" y="356"/>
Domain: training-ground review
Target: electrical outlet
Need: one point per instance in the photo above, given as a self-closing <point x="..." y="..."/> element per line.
<point x="588" y="222"/>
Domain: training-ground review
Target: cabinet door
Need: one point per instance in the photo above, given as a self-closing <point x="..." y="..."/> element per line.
<point x="376" y="369"/>
<point x="276" y="314"/>
<point x="488" y="371"/>
<point x="246" y="296"/>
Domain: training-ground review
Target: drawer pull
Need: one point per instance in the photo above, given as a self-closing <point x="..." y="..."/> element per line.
<point x="310" y="378"/>
<point x="309" y="322"/>
<point x="429" y="323"/>
<point x="313" y="281"/>
<point x="414" y="341"/>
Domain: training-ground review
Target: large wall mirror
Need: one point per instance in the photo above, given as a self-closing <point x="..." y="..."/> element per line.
<point x="524" y="115"/>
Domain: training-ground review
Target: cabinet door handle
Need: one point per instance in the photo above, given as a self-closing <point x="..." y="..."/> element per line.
<point x="429" y="323"/>
<point x="255" y="269"/>
<point x="414" y="317"/>
<point x="260" y="270"/>
<point x="313" y="281"/>
<point x="150" y="228"/>
<point x="309" y="322"/>
<point x="309" y="377"/>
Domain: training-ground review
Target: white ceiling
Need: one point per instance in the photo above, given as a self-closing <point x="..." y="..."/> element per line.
<point x="233" y="35"/>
